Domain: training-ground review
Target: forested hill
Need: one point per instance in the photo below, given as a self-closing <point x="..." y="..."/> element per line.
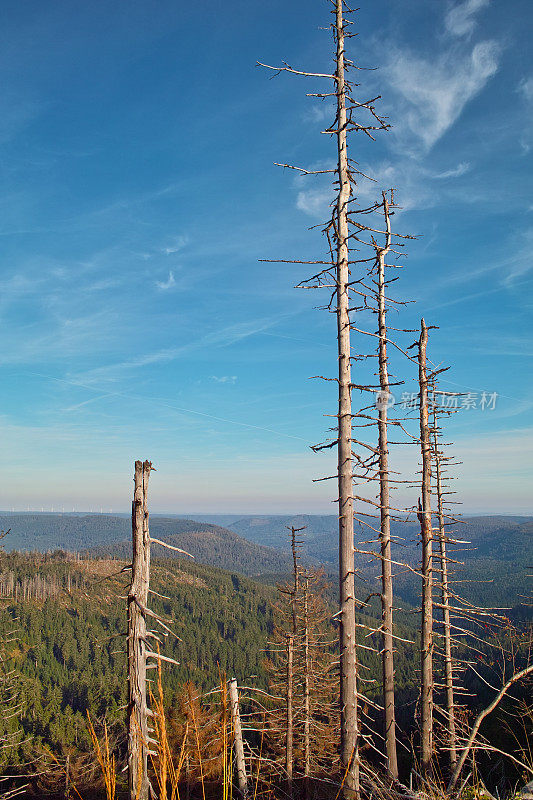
<point x="497" y="563"/>
<point x="106" y="534"/>
<point x="508" y="537"/>
<point x="69" y="647"/>
<point x="67" y="651"/>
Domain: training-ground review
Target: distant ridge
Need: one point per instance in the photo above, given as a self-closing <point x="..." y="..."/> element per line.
<point x="496" y="571"/>
<point x="497" y="563"/>
<point x="109" y="535"/>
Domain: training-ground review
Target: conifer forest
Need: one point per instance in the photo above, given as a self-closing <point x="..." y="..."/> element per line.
<point x="384" y="650"/>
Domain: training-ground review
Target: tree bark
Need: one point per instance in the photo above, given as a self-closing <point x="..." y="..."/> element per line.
<point x="385" y="536"/>
<point x="240" y="763"/>
<point x="424" y="515"/>
<point x="137" y="601"/>
<point x="348" y="654"/>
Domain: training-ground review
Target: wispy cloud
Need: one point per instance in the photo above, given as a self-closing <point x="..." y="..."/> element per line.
<point x="224" y="378"/>
<point x="412" y="180"/>
<point x="88" y="402"/>
<point x="315" y="192"/>
<point x="176" y="245"/>
<point x="460" y="19"/>
<point x="460" y="169"/>
<point x="505" y="272"/>
<point x="320" y="111"/>
<point x="432" y="93"/>
<point x="223" y="337"/>
<point x="316" y="201"/>
<point x="16" y="114"/>
<point x="525" y="88"/>
<point x="103" y="284"/>
<point x="520" y="263"/>
<point x="168" y="284"/>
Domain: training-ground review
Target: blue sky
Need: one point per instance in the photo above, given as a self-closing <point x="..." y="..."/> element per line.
<point x="138" y="193"/>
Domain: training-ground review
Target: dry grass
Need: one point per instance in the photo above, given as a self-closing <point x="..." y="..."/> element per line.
<point x="105" y="758"/>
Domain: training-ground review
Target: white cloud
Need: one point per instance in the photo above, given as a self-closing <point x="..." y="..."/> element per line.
<point x="525" y="88"/>
<point x="168" y="284"/>
<point x="315" y="202"/>
<point x="520" y="264"/>
<point x="178" y="244"/>
<point x="405" y="176"/>
<point x="413" y="182"/>
<point x="224" y="378"/>
<point x="459" y="20"/>
<point x="456" y="172"/>
<point x="433" y="93"/>
<point x="315" y="192"/>
<point x="320" y="111"/>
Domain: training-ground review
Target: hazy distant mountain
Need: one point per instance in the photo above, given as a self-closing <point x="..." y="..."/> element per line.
<point x="498" y="535"/>
<point x="44" y="532"/>
<point x="497" y="566"/>
<point x="497" y="563"/>
<point x="105" y="534"/>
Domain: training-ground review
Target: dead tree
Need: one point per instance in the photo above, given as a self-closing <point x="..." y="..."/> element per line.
<point x="240" y="763"/>
<point x="461" y="631"/>
<point x="306" y="686"/>
<point x="138" y="711"/>
<point x="301" y="674"/>
<point x="348" y="652"/>
<point x="387" y="656"/>
<point x="450" y="710"/>
<point x="426" y="537"/>
<point x="12" y="702"/>
<point x="138" y="649"/>
<point x="296" y="570"/>
<point x="289" y="749"/>
<point x="371" y="463"/>
<point x="337" y="275"/>
<point x="517" y="676"/>
<point x="289" y="733"/>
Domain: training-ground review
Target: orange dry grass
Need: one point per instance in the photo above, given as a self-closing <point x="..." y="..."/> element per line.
<point x="105" y="759"/>
<point x="167" y="772"/>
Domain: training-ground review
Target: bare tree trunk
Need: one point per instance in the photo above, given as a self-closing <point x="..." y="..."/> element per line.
<point x="445" y="598"/>
<point x="187" y="778"/>
<point x="348" y="654"/>
<point x="479" y="719"/>
<point x="240" y="763"/>
<point x="290" y="730"/>
<point x="296" y="578"/>
<point x="67" y="778"/>
<point x="137" y="650"/>
<point x="307" y="699"/>
<point x="424" y="515"/>
<point x="387" y="658"/>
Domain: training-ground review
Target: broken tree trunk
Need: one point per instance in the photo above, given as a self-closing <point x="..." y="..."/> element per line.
<point x="242" y="781"/>
<point x="424" y="516"/>
<point x="138" y="712"/>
